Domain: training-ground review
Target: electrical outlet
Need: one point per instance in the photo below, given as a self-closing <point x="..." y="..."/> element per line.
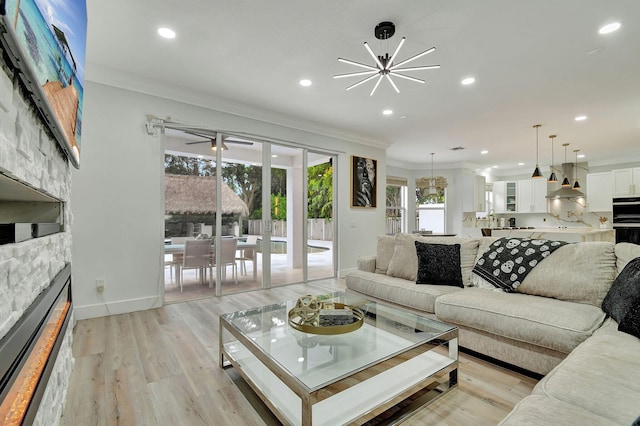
<point x="100" y="285"/>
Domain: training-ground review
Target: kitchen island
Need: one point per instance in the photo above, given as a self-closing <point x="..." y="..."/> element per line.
<point x="571" y="235"/>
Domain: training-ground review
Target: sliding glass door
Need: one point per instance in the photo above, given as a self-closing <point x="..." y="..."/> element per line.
<point x="274" y="200"/>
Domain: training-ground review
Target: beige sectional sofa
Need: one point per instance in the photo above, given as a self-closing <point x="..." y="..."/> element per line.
<point x="553" y="325"/>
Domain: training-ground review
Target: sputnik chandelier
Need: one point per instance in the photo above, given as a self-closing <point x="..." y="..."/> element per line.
<point x="384" y="67"/>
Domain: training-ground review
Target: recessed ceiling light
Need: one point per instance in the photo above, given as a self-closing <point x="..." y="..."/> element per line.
<point x="581" y="155"/>
<point x="305" y="82"/>
<point x="484" y="152"/>
<point x="494" y="167"/>
<point x="274" y="156"/>
<point x="402" y="117"/>
<point x="520" y="164"/>
<point x="387" y="112"/>
<point x="166" y="32"/>
<point x="468" y="80"/>
<point x="580" y="118"/>
<point x="609" y="28"/>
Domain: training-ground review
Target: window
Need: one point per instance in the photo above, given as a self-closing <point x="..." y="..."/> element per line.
<point x="396" y="205"/>
<point x="430" y="209"/>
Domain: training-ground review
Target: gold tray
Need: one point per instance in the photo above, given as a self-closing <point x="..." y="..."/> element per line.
<point x="309" y="327"/>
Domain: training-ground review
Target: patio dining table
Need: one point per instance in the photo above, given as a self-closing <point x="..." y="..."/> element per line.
<point x="242" y="245"/>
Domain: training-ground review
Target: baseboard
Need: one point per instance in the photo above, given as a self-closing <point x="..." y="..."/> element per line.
<point x="115" y="308"/>
<point x="502" y="364"/>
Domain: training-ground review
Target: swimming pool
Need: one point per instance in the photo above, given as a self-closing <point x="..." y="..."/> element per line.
<point x="280" y="247"/>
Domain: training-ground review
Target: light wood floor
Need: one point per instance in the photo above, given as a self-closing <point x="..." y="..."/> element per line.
<point x="159" y="367"/>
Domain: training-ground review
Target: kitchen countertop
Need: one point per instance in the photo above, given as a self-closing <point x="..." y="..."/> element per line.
<point x="565" y="234"/>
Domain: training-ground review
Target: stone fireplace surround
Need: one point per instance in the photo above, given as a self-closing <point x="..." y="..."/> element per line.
<point x="29" y="154"/>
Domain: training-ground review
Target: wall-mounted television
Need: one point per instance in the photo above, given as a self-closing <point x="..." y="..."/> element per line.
<point x="46" y="41"/>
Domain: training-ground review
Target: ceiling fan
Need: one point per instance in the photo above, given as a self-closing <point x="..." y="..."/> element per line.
<point x="212" y="141"/>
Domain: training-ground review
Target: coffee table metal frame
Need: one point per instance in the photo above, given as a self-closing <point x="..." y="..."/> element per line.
<point x="418" y="362"/>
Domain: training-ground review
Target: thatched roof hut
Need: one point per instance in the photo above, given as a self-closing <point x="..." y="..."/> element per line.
<point x="197" y="195"/>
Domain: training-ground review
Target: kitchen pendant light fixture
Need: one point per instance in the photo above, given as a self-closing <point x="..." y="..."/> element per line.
<point x="552" y="176"/>
<point x="536" y="172"/>
<point x="565" y="181"/>
<point x="434" y="184"/>
<point x="576" y="185"/>
<point x="384" y="67"/>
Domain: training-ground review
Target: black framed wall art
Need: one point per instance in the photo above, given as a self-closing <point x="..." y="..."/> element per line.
<point x="364" y="187"/>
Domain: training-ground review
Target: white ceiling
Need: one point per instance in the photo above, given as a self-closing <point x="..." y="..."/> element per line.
<point x="535" y="61"/>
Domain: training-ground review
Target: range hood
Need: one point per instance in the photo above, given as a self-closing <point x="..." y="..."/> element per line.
<point x="565" y="193"/>
<point x="569" y="192"/>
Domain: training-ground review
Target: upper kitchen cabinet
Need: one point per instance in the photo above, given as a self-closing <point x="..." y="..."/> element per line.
<point x="474" y="199"/>
<point x="599" y="192"/>
<point x="504" y="197"/>
<point x="531" y="196"/>
<point x="625" y="182"/>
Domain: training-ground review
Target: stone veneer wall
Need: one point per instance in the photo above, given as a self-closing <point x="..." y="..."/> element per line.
<point x="28" y="153"/>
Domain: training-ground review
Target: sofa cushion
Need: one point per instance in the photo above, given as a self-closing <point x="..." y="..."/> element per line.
<point x="580" y="272"/>
<point x="404" y="263"/>
<point x="540" y="321"/>
<point x="384" y="252"/>
<point x="624" y="292"/>
<point x="624" y="253"/>
<point x="397" y="290"/>
<point x="438" y="264"/>
<point x="602" y="375"/>
<point x="536" y="410"/>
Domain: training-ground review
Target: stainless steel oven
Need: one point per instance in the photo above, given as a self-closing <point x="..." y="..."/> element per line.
<point x="626" y="219"/>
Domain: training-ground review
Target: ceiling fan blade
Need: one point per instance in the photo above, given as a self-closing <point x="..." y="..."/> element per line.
<point x="197" y="142"/>
<point x="238" y="142"/>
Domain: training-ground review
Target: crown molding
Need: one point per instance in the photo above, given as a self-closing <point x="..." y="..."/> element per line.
<point x="116" y="78"/>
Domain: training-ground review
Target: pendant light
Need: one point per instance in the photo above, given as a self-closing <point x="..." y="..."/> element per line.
<point x="576" y="185"/>
<point x="565" y="181"/>
<point x="432" y="183"/>
<point x="536" y="172"/>
<point x="552" y="176"/>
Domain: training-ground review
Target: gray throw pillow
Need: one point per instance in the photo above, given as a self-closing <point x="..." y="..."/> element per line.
<point x="624" y="292"/>
<point x="439" y="264"/>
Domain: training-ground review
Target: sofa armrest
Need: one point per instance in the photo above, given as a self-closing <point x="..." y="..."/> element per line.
<point x="367" y="263"/>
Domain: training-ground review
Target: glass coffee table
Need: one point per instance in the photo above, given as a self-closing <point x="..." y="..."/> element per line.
<point x="397" y="359"/>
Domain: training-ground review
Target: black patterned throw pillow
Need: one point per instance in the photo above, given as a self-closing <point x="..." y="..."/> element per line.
<point x="630" y="324"/>
<point x="624" y="292"/>
<point x="439" y="264"/>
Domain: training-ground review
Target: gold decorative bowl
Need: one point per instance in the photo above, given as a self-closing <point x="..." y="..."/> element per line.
<point x="304" y="317"/>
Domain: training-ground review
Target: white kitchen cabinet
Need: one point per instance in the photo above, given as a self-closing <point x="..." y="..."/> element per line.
<point x="474" y="199"/>
<point x="625" y="182"/>
<point x="599" y="192"/>
<point x="504" y="197"/>
<point x="531" y="196"/>
<point x="500" y="197"/>
<point x="525" y="195"/>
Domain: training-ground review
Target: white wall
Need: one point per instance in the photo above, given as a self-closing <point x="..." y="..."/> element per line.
<point x="118" y="196"/>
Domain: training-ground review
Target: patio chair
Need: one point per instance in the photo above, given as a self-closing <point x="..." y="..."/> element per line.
<point x="247" y="254"/>
<point x="197" y="255"/>
<point x="228" y="247"/>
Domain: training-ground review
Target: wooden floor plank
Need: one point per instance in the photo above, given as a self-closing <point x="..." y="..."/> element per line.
<point x="160" y="367"/>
